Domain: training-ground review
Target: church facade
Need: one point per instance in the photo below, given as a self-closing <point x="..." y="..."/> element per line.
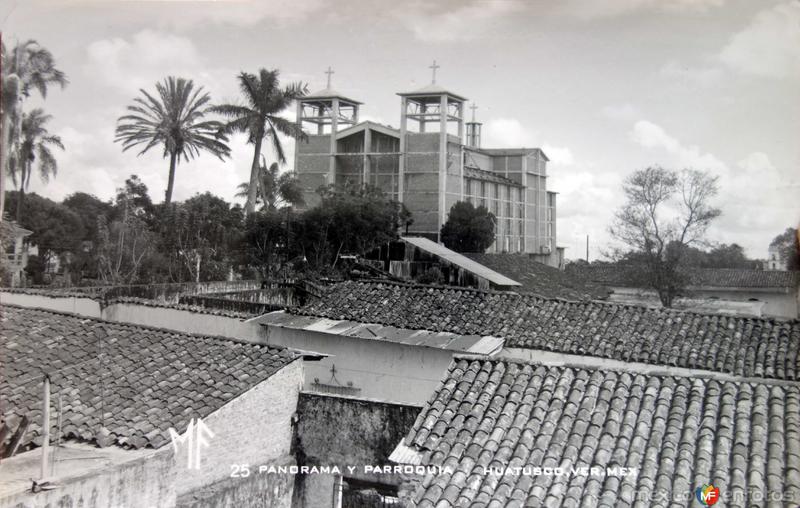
<point x="433" y="160"/>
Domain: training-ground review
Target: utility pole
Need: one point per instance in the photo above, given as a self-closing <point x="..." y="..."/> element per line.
<point x="587" y="248"/>
<point x="45" y="426"/>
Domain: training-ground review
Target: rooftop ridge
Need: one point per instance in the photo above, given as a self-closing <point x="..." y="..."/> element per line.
<point x="523" y="294"/>
<point x="149" y="327"/>
<point x="702" y="374"/>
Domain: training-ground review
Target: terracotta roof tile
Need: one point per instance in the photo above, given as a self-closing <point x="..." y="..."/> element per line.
<point x="119" y="383"/>
<point x="678" y="433"/>
<point x="751" y="347"/>
<point x="539" y="278"/>
<point x="626" y="276"/>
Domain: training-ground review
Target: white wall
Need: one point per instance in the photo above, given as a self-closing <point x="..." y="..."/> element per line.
<point x="383" y="370"/>
<point x="253" y="429"/>
<point x="76" y="305"/>
<point x="752" y="302"/>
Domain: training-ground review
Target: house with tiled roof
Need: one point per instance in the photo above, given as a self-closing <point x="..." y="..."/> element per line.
<point x="393" y="330"/>
<point x="121" y="394"/>
<point x="570" y="330"/>
<point x="500" y="432"/>
<point x="755" y="292"/>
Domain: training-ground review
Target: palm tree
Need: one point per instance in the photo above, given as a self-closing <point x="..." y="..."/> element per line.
<point x="174" y="119"/>
<point x="34" y="146"/>
<point x="258" y="118"/>
<point x="28" y="66"/>
<point x="274" y="189"/>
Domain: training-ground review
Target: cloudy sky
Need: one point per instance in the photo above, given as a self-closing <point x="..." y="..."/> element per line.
<point x="605" y="87"/>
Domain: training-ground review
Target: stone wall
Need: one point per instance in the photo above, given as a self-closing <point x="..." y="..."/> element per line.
<point x="340" y="431"/>
<point x="256" y="490"/>
<point x="147" y="481"/>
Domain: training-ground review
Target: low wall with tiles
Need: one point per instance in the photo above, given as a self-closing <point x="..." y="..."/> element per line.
<point x="147" y="481"/>
<point x="256" y="490"/>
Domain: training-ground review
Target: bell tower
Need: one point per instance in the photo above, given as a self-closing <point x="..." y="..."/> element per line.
<point x="431" y="141"/>
<point x="474" y="130"/>
<point x="325" y="113"/>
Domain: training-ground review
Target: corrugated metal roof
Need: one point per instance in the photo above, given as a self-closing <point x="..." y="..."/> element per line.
<point x="476" y="344"/>
<point x="460" y="261"/>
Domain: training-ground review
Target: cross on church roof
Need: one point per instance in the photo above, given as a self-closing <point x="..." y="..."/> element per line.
<point x="473" y="108"/>
<point x="329" y="72"/>
<point x="434" y="67"/>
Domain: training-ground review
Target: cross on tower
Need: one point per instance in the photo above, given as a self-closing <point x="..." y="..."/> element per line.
<point x="434" y="67"/>
<point x="329" y="72"/>
<point x="473" y="108"/>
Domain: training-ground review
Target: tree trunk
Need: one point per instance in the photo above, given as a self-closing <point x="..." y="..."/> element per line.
<point x="173" y="162"/>
<point x="6" y="124"/>
<point x="252" y="189"/>
<point x="20" y="199"/>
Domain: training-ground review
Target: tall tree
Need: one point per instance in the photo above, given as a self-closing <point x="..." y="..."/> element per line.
<point x="665" y="212"/>
<point x="28" y="66"/>
<point x="468" y="229"/>
<point x="274" y="189"/>
<point x="33" y="147"/>
<point x="174" y="119"/>
<point x="259" y="118"/>
<point x="349" y="220"/>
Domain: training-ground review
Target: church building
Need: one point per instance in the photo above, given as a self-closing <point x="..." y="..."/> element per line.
<point x="432" y="161"/>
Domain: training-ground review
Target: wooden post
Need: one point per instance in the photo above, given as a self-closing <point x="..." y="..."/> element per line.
<point x="45" y="426"/>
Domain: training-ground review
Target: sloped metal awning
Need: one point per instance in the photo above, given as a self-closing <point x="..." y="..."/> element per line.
<point x="460" y="260"/>
<point x="476" y="344"/>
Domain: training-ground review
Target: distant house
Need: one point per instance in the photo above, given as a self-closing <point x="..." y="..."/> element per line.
<point x="748" y="292"/>
<point x="15" y="255"/>
<point x="117" y="390"/>
<point x="774" y="259"/>
<point x="501" y="432"/>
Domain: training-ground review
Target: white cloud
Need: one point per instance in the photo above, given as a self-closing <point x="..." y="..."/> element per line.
<point x="590" y="9"/>
<point x="692" y="76"/>
<point x="770" y="45"/>
<point x="757" y="199"/>
<point x="507" y="133"/>
<point x="625" y="112"/>
<point x="560" y="155"/>
<point x="454" y="21"/>
<point x="127" y="65"/>
<point x="650" y="135"/>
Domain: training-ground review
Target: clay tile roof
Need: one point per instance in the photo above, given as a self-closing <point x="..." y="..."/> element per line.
<point x="677" y="433"/>
<point x="121" y="384"/>
<point x="539" y="278"/>
<point x="750" y="347"/>
<point x="621" y="275"/>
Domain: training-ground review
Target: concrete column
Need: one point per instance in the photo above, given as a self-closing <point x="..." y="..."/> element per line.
<point x="334" y="129"/>
<point x="367" y="149"/>
<point x="402" y="159"/>
<point x="424" y="110"/>
<point x="442" y="162"/>
<point x="461" y="123"/>
<point x="525" y="203"/>
<point x="299" y="120"/>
